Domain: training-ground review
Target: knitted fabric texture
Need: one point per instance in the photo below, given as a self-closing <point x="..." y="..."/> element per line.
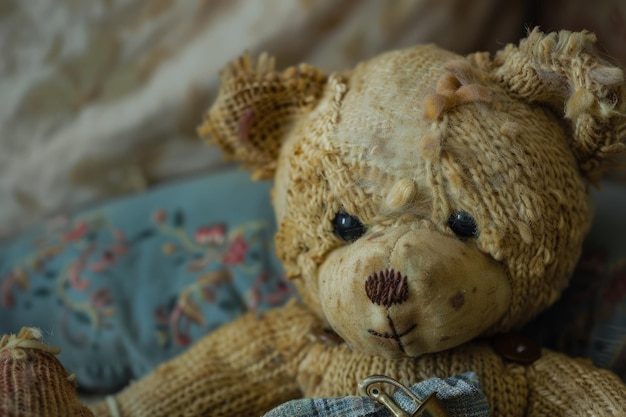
<point x="240" y="370"/>
<point x="373" y="169"/>
<point x="263" y="107"/>
<point x="33" y="383"/>
<point x="593" y="96"/>
<point x="250" y="368"/>
<point x="474" y="151"/>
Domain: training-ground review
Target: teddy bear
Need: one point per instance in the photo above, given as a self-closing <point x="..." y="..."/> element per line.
<point x="428" y="206"/>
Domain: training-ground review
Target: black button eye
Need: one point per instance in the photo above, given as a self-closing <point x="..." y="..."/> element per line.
<point x="347" y="227"/>
<point x="463" y="224"/>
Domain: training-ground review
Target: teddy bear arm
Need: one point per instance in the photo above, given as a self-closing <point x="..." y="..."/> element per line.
<point x="244" y="368"/>
<point x="561" y="386"/>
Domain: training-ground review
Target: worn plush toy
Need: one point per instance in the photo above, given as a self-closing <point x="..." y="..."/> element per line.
<point x="427" y="203"/>
<point x="33" y="383"/>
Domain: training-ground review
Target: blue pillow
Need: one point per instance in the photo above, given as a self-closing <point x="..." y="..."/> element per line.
<point x="124" y="286"/>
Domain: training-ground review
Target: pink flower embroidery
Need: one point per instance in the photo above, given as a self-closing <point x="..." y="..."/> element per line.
<point x="236" y="252"/>
<point x="211" y="235"/>
<point x="76" y="233"/>
<point x="111" y="255"/>
<point x="181" y="336"/>
<point x="159" y="216"/>
<point x="119" y="235"/>
<point x="282" y="292"/>
<point x="101" y="298"/>
<point x="76" y="270"/>
<point x="17" y="278"/>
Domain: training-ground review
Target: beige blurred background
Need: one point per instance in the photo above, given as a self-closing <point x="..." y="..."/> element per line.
<point x="100" y="98"/>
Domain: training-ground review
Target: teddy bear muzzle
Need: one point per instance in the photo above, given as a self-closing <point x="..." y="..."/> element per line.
<point x="410" y="292"/>
<point x="387" y="288"/>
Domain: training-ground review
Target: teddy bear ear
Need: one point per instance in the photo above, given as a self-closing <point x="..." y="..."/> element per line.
<point x="566" y="72"/>
<point x="255" y="108"/>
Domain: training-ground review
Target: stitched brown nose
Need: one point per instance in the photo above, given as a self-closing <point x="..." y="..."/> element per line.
<point x="387" y="287"/>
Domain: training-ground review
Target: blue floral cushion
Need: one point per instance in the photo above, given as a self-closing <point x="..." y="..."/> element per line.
<point x="127" y="285"/>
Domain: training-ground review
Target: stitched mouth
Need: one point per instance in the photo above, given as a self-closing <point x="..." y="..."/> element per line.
<point x="393" y="335"/>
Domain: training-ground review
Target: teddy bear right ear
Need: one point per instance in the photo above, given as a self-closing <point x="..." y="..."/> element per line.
<point x="255" y="108"/>
<point x="566" y="72"/>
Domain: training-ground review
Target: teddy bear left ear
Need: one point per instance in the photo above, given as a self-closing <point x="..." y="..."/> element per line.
<point x="565" y="71"/>
<point x="255" y="108"/>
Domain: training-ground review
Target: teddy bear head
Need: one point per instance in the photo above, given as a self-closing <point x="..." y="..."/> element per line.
<point x="424" y="198"/>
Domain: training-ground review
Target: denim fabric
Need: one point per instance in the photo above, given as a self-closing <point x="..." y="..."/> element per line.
<point x="461" y="396"/>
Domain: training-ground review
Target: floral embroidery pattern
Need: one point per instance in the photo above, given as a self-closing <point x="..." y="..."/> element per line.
<point x="186" y="312"/>
<point x="124" y="286"/>
<point x="208" y="247"/>
<point x="68" y="258"/>
<point x="41" y="274"/>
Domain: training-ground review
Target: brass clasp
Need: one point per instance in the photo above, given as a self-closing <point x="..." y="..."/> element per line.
<point x="429" y="407"/>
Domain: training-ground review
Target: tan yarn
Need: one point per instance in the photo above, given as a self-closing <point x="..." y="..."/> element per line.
<point x="256" y="108"/>
<point x="553" y="386"/>
<point x="240" y="370"/>
<point x="247" y="369"/>
<point x="33" y="383"/>
<point x="402" y="142"/>
<point x="564" y="71"/>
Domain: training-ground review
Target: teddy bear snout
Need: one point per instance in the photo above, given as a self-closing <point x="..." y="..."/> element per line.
<point x="387" y="288"/>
